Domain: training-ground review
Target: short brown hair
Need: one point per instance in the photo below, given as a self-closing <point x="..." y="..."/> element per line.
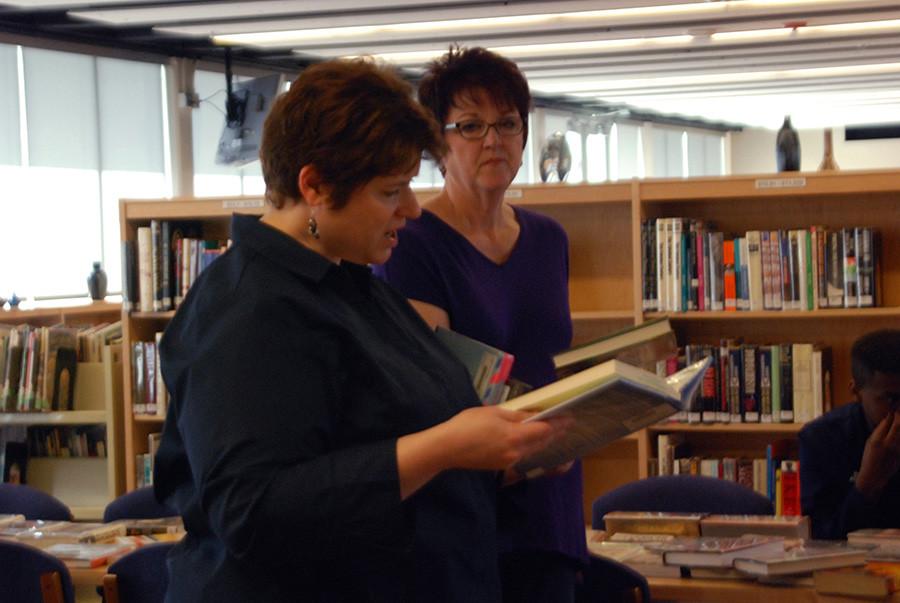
<point x="466" y="70"/>
<point x="353" y="120"/>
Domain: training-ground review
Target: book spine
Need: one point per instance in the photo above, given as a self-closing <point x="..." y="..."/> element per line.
<point x="717" y="272"/>
<point x="755" y="270"/>
<point x="749" y="381"/>
<point x="834" y="269"/>
<point x="729" y="277"/>
<point x="787" y="384"/>
<point x="820" y="236"/>
<point x="764" y="361"/>
<point x="165" y="266"/>
<point x="801" y="356"/>
<point x="809" y="271"/>
<point x="787" y="287"/>
<point x="156" y="265"/>
<point x="735" y="379"/>
<point x="851" y="292"/>
<point x="865" y="266"/>
<point x="775" y="269"/>
<point x="765" y="252"/>
<point x="145" y="268"/>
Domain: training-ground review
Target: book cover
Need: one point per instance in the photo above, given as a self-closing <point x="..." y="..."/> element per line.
<point x="851" y="278"/>
<point x="796" y="526"/>
<point x="716" y="271"/>
<point x="707" y="551"/>
<point x="812" y="555"/>
<point x="488" y="366"/>
<point x="865" y="262"/>
<point x="755" y="269"/>
<point x="728" y="276"/>
<point x="604" y="403"/>
<point x="834" y="268"/>
<point x="641" y="345"/>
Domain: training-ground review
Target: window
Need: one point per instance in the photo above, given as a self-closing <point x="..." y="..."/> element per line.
<point x="705" y="153"/>
<point x="78" y="133"/>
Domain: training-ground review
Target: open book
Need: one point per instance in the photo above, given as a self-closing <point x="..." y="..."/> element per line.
<point x="606" y="402"/>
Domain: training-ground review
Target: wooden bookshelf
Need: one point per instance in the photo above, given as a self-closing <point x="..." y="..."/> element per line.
<point x="85" y="484"/>
<point x="603" y="224"/>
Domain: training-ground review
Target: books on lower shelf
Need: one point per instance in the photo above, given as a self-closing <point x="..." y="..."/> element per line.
<point x="604" y="403"/>
<point x="715" y="552"/>
<point x="812" y="555"/>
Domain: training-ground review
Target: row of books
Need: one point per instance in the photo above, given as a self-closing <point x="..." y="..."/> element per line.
<point x="39" y="365"/>
<point x="161" y="265"/>
<point x="149" y="394"/>
<point x="143" y="462"/>
<point x="686" y="265"/>
<point x="750" y="383"/>
<point x="775" y="478"/>
<point x="67" y="441"/>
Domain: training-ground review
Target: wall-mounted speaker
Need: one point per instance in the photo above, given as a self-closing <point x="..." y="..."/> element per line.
<point x="872" y="132"/>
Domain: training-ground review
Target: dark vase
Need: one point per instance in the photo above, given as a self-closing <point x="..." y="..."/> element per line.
<point x="787" y="147"/>
<point x="96" y="281"/>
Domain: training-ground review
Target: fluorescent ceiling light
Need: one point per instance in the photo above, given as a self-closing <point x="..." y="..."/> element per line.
<point x="804" y="31"/>
<point x="301" y="36"/>
<point x="422" y="56"/>
<point x="610" y="86"/>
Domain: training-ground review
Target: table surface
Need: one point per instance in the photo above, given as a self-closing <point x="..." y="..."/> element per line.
<point x="703" y="590"/>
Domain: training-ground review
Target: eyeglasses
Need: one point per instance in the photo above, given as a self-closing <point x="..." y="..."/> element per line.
<point x="473" y="129"/>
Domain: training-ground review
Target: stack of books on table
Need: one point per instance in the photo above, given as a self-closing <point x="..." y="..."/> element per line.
<point x="44" y="534"/>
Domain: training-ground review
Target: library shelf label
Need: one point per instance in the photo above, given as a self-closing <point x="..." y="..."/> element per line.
<point x="240" y="203"/>
<point x="513" y="193"/>
<point x="780" y="182"/>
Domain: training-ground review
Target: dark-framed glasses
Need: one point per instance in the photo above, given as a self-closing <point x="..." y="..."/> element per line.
<point x="474" y="129"/>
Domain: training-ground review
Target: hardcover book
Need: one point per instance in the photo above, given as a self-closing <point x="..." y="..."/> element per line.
<point x="879" y="536"/>
<point x="604" y="403"/>
<point x="796" y="526"/>
<point x="87" y="554"/>
<point x="641" y="345"/>
<point x="873" y="580"/>
<point x="651" y="522"/>
<point x="715" y="552"/>
<point x="813" y="555"/>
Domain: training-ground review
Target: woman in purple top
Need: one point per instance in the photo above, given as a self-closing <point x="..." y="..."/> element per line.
<point x="476" y="264"/>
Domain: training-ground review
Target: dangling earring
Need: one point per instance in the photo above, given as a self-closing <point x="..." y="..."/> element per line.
<point x="313" y="228"/>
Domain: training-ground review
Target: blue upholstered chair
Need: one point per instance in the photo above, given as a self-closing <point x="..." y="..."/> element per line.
<point x="138" y="577"/>
<point x="137" y="504"/>
<point x="681" y="494"/>
<point x="29" y="575"/>
<point x="608" y="581"/>
<point x="32" y="503"/>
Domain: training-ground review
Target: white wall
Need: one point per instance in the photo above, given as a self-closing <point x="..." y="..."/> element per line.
<point x="753" y="151"/>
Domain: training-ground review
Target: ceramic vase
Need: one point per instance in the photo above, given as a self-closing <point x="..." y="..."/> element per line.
<point x="96" y="282"/>
<point x="787" y="147"/>
<point x="828" y="162"/>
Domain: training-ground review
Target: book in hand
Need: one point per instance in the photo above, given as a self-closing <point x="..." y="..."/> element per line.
<point x="641" y="345"/>
<point x="488" y="366"/>
<point x="872" y="580"/>
<point x="604" y="403"/>
<point x="793" y="526"/>
<point x="652" y="522"/>
<point x="87" y="554"/>
<point x="812" y="555"/>
<point x="715" y="552"/>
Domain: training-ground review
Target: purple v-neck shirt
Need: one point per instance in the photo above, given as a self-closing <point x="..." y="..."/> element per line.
<point x="520" y="306"/>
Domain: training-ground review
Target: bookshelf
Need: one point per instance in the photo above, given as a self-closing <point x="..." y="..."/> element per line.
<point x="214" y="217"/>
<point x="603" y="223"/>
<point x="85" y="484"/>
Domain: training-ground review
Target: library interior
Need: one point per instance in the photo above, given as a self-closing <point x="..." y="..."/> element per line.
<point x="709" y="320"/>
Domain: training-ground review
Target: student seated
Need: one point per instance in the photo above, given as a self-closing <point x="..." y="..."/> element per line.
<point x="850" y="457"/>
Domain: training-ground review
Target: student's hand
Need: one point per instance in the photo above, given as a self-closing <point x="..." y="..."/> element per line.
<point x="881" y="457"/>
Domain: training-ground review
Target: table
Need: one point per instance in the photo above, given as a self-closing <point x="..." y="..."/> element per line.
<point x="705" y="590"/>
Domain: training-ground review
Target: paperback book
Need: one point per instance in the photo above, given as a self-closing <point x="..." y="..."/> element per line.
<point x="794" y="526"/>
<point x="86" y="555"/>
<point x="872" y="580"/>
<point x="716" y="552"/>
<point x="651" y="522"/>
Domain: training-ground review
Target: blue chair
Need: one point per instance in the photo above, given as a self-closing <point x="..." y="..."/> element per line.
<point x="32" y="503"/>
<point x="137" y="504"/>
<point x="681" y="494"/>
<point x="30" y="575"/>
<point x="608" y="581"/>
<point x="138" y="577"/>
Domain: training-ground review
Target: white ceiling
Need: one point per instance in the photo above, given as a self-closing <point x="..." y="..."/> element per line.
<point x="827" y="63"/>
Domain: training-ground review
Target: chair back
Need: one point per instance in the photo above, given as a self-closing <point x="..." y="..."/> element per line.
<point x="137" y="504"/>
<point x="29" y="575"/>
<point x="681" y="494"/>
<point x="32" y="503"/>
<point x="140" y="576"/>
<point x="608" y="581"/>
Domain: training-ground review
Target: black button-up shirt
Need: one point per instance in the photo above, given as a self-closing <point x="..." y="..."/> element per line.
<point x="291" y="379"/>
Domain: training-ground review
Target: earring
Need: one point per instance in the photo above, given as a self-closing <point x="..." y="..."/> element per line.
<point x="313" y="228"/>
